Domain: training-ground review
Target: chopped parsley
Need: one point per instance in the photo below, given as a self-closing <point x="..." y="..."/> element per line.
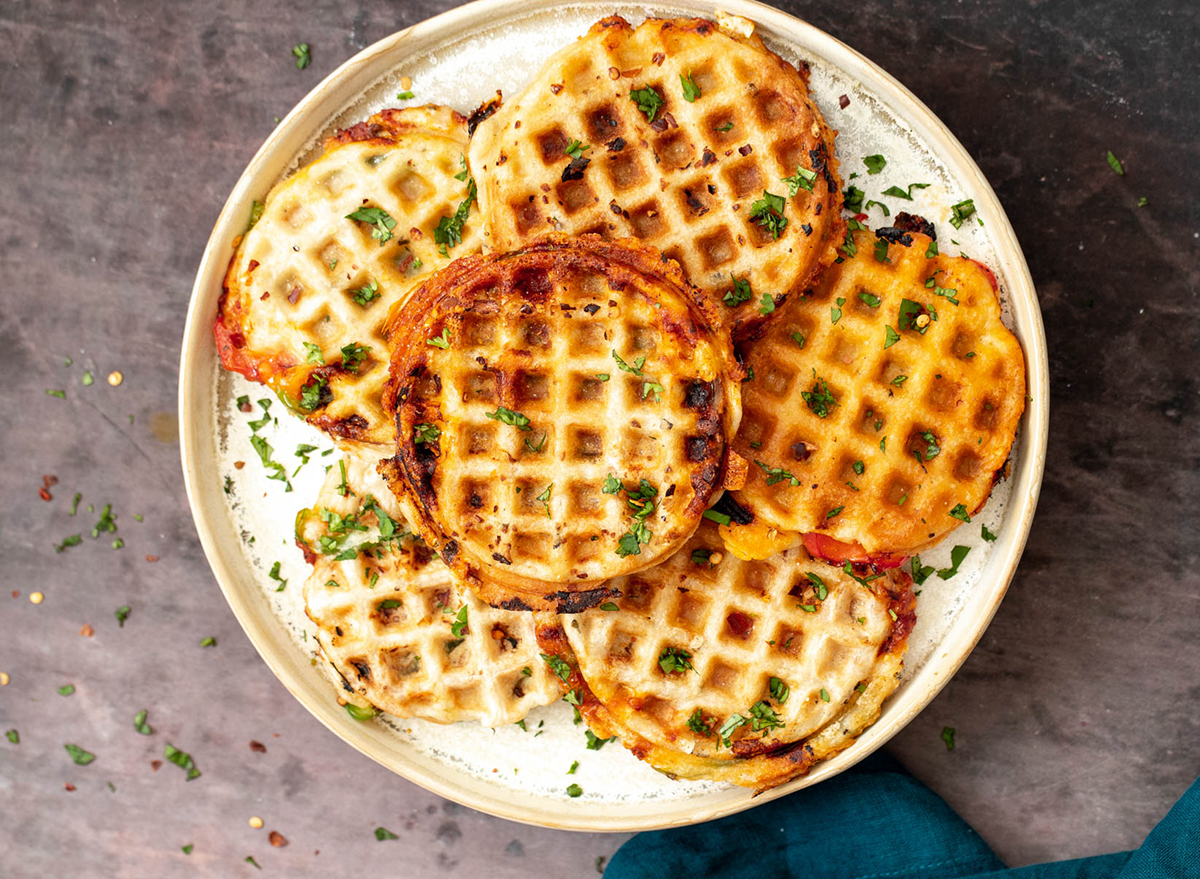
<point x="848" y="570"/>
<point x="880" y="205"/>
<point x="834" y="512"/>
<point x="314" y="354"/>
<point x="956" y="558"/>
<point x="426" y="433"/>
<point x="80" y="756"/>
<point x="948" y="731"/>
<point x="767" y="305"/>
<point x="574" y="766"/>
<point x="824" y="695"/>
<point x="365" y="295"/>
<point x="920" y="573"/>
<point x="448" y="232"/>
<point x="835" y="311"/>
<point x="697" y="725"/>
<point x="739" y="294"/>
<point x="730" y="726"/>
<point x="910" y="316"/>
<point x="66" y="690"/>
<point x="574" y="150"/>
<point x="210" y="641"/>
<point x="881" y="251"/>
<point x="1115" y="164"/>
<point x="353" y="355"/>
<point x="73" y="540"/>
<point x="802" y="179"/>
<point x="360" y="712"/>
<point x="932" y="250"/>
<point x="380" y="221"/>
<point x="122" y="614"/>
<point x="636" y="369"/>
<point x="648" y="101"/>
<point x="442" y="340"/>
<point x="140" y="725"/>
<point x="961" y="211"/>
<point x="557" y="665"/>
<point x="874" y="163"/>
<point x="819" y="586"/>
<point x="777" y="474"/>
<point x="691" y="91"/>
<point x="407" y="96"/>
<point x="701" y="556"/>
<point x="959" y="512"/>
<point x="13" y="736"/>
<point x="798" y="338"/>
<point x="544" y="497"/>
<point x="764" y="716"/>
<point x="574" y="790"/>
<point x="459" y="627"/>
<point x="256" y="212"/>
<point x="718" y="517"/>
<point x="819" y="399"/>
<point x="675" y="659"/>
<point x="900" y="379"/>
<point x="75" y="503"/>
<point x="853" y="200"/>
<point x="768" y="213"/>
<point x="303" y="59"/>
<point x="726" y="127"/>
<point x="382" y="834"/>
<point x="509" y="417"/>
<point x="609" y="606"/>
<point x="182" y="760"/>
<point x="897" y="192"/>
<point x="870" y="299"/>
<point x="987" y="535"/>
<point x="932" y="450"/>
<point x="779" y="690"/>
<point x="594" y="742"/>
<point x="890" y="338"/>
<point x="642" y="501"/>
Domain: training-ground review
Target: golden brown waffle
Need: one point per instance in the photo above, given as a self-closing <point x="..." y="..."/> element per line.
<point x="746" y="672"/>
<point x="395" y="627"/>
<point x="308" y="291"/>
<point x="682" y="175"/>
<point x="883" y="403"/>
<point x="562" y="415"/>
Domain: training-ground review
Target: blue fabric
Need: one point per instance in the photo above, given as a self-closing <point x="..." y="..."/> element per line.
<point x="878" y="822"/>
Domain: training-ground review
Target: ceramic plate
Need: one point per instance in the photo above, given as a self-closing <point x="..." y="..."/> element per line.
<point x="245" y="520"/>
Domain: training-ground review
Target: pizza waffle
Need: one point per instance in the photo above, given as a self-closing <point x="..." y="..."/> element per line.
<point x="337" y="244"/>
<point x="673" y="132"/>
<point x="883" y="403"/>
<point x="399" y="633"/>
<point x="746" y="672"/>
<point x="562" y="414"/>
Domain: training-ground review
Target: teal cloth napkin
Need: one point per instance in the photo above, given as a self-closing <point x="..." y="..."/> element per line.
<point x="878" y="822"/>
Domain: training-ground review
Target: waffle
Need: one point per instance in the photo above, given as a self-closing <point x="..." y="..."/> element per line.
<point x="562" y="414"/>
<point x="712" y="668"/>
<point x="308" y="290"/>
<point x="398" y="632"/>
<point x="867" y="463"/>
<point x="685" y="180"/>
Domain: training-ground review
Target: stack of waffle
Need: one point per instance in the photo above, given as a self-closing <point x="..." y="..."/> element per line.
<point x="630" y="414"/>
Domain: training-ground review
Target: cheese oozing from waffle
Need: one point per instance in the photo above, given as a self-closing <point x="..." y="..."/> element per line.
<point x="337" y="244"/>
<point x="399" y="632"/>
<point x="562" y="416"/>
<point x="709" y="667"/>
<point x="700" y="142"/>
<point x="884" y="401"/>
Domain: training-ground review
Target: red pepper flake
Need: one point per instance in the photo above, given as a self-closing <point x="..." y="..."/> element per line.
<point x="16" y="593"/>
<point x="87" y="631"/>
<point x="658" y="58"/>
<point x="265" y="296"/>
<point x="258" y="747"/>
<point x="844" y="102"/>
<point x="245" y="407"/>
<point x="151" y="558"/>
<point x="745" y="149"/>
<point x="556" y="88"/>
<point x="156" y="765"/>
<point x="277" y="839"/>
<point x="238" y="465"/>
<point x="44" y="495"/>
<point x="69" y="786"/>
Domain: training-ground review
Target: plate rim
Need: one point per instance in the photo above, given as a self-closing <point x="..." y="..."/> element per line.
<point x="197" y="363"/>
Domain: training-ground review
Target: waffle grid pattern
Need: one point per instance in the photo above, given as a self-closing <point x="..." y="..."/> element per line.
<point x="688" y="188"/>
<point x="742" y="624"/>
<point x="964" y="386"/>
<point x="295" y="275"/>
<point x="386" y="625"/>
<point x="544" y="356"/>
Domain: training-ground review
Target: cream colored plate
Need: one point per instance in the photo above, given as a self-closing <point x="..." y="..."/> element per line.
<point x="460" y="58"/>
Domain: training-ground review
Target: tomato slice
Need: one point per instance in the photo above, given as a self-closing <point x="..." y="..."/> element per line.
<point x="825" y="547"/>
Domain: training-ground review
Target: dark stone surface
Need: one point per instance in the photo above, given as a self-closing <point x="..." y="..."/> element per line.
<point x="125" y="126"/>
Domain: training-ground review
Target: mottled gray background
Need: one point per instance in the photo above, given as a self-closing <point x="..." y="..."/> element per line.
<point x="123" y="126"/>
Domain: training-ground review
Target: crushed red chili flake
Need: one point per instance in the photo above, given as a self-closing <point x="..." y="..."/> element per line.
<point x="844" y="101"/>
<point x="69" y="786"/>
<point x="156" y="765"/>
<point x="238" y="465"/>
<point x="245" y="407"/>
<point x="87" y="631"/>
<point x="745" y="149"/>
<point x="16" y="593"/>
<point x="277" y="839"/>
<point x="151" y="558"/>
<point x="44" y="495"/>
<point x="258" y="747"/>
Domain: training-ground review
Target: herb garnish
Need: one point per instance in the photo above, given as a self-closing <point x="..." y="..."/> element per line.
<point x="303" y="59"/>
<point x="739" y="294"/>
<point x="777" y="474"/>
<point x="819" y="399"/>
<point x="874" y="163"/>
<point x="382" y="833"/>
<point x="647" y="100"/>
<point x="691" y="91"/>
<point x="802" y="179"/>
<point x="956" y="558"/>
<point x="381" y="222"/>
<point x="448" y="232"/>
<point x="959" y="512"/>
<point x="80" y="756"/>
<point x="426" y="433"/>
<point x="442" y="340"/>
<point x="730" y="726"/>
<point x="768" y="213"/>
<point x="122" y="614"/>
<point x="779" y="690"/>
<point x="897" y="192"/>
<point x="182" y="760"/>
<point x="987" y="535"/>
<point x="140" y="725"/>
<point x="558" y="666"/>
<point x="961" y="211"/>
<point x="509" y="417"/>
<point x="675" y="659"/>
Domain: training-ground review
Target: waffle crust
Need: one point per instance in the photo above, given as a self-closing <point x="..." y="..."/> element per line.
<point x="396" y="629"/>
<point x="513" y="410"/>
<point x="806" y="674"/>
<point x="883" y="448"/>
<point x="289" y="316"/>
<point x="685" y="180"/>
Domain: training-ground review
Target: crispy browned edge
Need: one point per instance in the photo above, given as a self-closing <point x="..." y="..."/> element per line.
<point x="626" y="264"/>
<point x="384" y="129"/>
<point x="750" y="763"/>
